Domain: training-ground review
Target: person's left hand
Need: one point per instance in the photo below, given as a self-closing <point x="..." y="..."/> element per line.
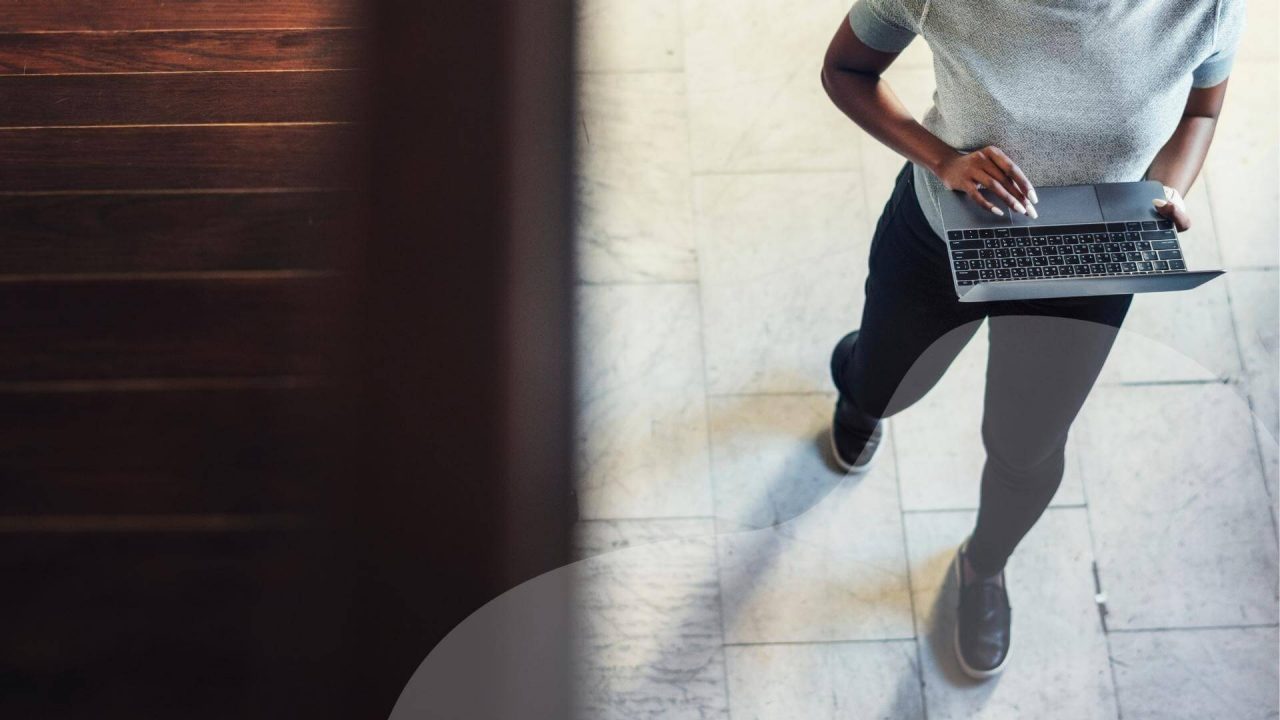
<point x="1173" y="207"/>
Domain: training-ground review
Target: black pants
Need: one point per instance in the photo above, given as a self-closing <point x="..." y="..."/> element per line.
<point x="1044" y="358"/>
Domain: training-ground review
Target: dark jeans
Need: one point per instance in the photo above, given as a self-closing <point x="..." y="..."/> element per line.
<point x="1044" y="358"/>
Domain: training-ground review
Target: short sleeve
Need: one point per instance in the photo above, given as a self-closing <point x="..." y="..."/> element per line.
<point x="1228" y="28"/>
<point x="884" y="25"/>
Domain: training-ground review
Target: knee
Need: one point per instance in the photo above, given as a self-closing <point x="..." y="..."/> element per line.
<point x="1022" y="457"/>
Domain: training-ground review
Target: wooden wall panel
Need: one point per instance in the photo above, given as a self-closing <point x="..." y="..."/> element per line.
<point x="169" y="51"/>
<point x="162" y="327"/>
<point x="46" y="15"/>
<point x="178" y="98"/>
<point x="172" y="231"/>
<point x="169" y="157"/>
<point x="114" y="624"/>
<point x="160" y="447"/>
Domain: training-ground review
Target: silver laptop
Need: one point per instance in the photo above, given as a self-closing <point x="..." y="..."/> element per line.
<point x="1103" y="239"/>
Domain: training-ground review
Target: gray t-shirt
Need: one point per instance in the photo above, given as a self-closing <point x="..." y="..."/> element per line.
<point x="1073" y="92"/>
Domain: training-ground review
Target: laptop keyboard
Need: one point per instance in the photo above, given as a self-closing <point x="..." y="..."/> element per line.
<point x="1064" y="251"/>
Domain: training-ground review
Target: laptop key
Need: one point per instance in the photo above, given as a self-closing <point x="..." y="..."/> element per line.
<point x="1148" y="224"/>
<point x="1170" y="254"/>
<point x="1162" y="264"/>
<point x="966" y="244"/>
<point x="1164" y="244"/>
<point x="1113" y="267"/>
<point x="1019" y="272"/>
<point x="1149" y="255"/>
<point x="1051" y="271"/>
<point x="986" y="274"/>
<point x="971" y="233"/>
<point x="1003" y="274"/>
<point x="955" y="234"/>
<point x="986" y="233"/>
<point x="1097" y="268"/>
<point x="1154" y="235"/>
<point x="1177" y="265"/>
<point x="1145" y="266"/>
<point x="1128" y="267"/>
<point x="968" y="275"/>
<point x="1035" y="272"/>
<point x="1024" y="262"/>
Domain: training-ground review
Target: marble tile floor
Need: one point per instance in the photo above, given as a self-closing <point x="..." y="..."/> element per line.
<point x="728" y="572"/>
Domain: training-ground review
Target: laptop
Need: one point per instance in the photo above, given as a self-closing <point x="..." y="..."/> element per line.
<point x="1103" y="239"/>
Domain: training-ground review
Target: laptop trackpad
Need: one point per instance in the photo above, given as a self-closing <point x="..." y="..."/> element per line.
<point x="1063" y="205"/>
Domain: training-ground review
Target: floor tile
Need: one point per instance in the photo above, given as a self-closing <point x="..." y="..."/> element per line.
<point x="770" y="457"/>
<point x="1057" y="665"/>
<point x="630" y="36"/>
<point x="1244" y="168"/>
<point x="835" y="572"/>
<point x="1270" y="451"/>
<point x="1259" y="41"/>
<point x="1255" y="296"/>
<point x="1194" y="674"/>
<point x="756" y="100"/>
<point x="1176" y="336"/>
<point x="1178" y="507"/>
<point x="939" y="440"/>
<point x="783" y="262"/>
<point x="642" y="429"/>
<point x="827" y="681"/>
<point x="647" y="629"/>
<point x="636" y="218"/>
<point x="598" y="537"/>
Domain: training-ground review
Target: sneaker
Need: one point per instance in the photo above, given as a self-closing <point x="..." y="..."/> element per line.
<point x="854" y="441"/>
<point x="855" y="435"/>
<point x="983" y="619"/>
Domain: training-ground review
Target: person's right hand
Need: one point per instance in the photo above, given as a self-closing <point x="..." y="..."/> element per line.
<point x="992" y="169"/>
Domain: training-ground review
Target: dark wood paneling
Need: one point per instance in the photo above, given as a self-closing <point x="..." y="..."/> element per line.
<point x="162" y="327"/>
<point x="211" y="156"/>
<point x="130" y="232"/>
<point x="151" y="624"/>
<point x="177" y="98"/>
<point x="247" y="448"/>
<point x="37" y="53"/>
<point x="175" y="14"/>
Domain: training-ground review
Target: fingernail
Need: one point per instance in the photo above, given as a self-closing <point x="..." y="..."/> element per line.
<point x="997" y="211"/>
<point x="1159" y="203"/>
<point x="1019" y="208"/>
<point x="1032" y="212"/>
<point x="1034" y="199"/>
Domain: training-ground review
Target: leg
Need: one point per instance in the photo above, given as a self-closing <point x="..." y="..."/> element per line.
<point x="912" y="324"/>
<point x="1045" y="357"/>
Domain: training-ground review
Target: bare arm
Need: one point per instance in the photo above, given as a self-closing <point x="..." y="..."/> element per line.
<point x="851" y="76"/>
<point x="1179" y="161"/>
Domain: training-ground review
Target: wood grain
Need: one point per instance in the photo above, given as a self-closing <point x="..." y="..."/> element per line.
<point x="152" y="624"/>
<point x="175" y="14"/>
<point x="165" y="327"/>
<point x="168" y="232"/>
<point x="177" y="157"/>
<point x="178" y="98"/>
<point x="251" y="448"/>
<point x="169" y="51"/>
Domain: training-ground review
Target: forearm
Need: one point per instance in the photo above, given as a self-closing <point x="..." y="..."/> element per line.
<point x="871" y="104"/>
<point x="1179" y="161"/>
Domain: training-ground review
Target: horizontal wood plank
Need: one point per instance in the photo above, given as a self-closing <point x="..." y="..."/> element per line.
<point x="173" y="232"/>
<point x="179" y="98"/>
<point x="170" y="51"/>
<point x="49" y="15"/>
<point x="166" y="327"/>
<point x="246" y="449"/>
<point x="175" y="157"/>
<point x="195" y="625"/>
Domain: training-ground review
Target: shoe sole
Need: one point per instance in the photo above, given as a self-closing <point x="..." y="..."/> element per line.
<point x="849" y="468"/>
<point x="974" y="673"/>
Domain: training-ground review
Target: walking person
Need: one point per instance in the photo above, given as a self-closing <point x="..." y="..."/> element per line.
<point x="1029" y="93"/>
